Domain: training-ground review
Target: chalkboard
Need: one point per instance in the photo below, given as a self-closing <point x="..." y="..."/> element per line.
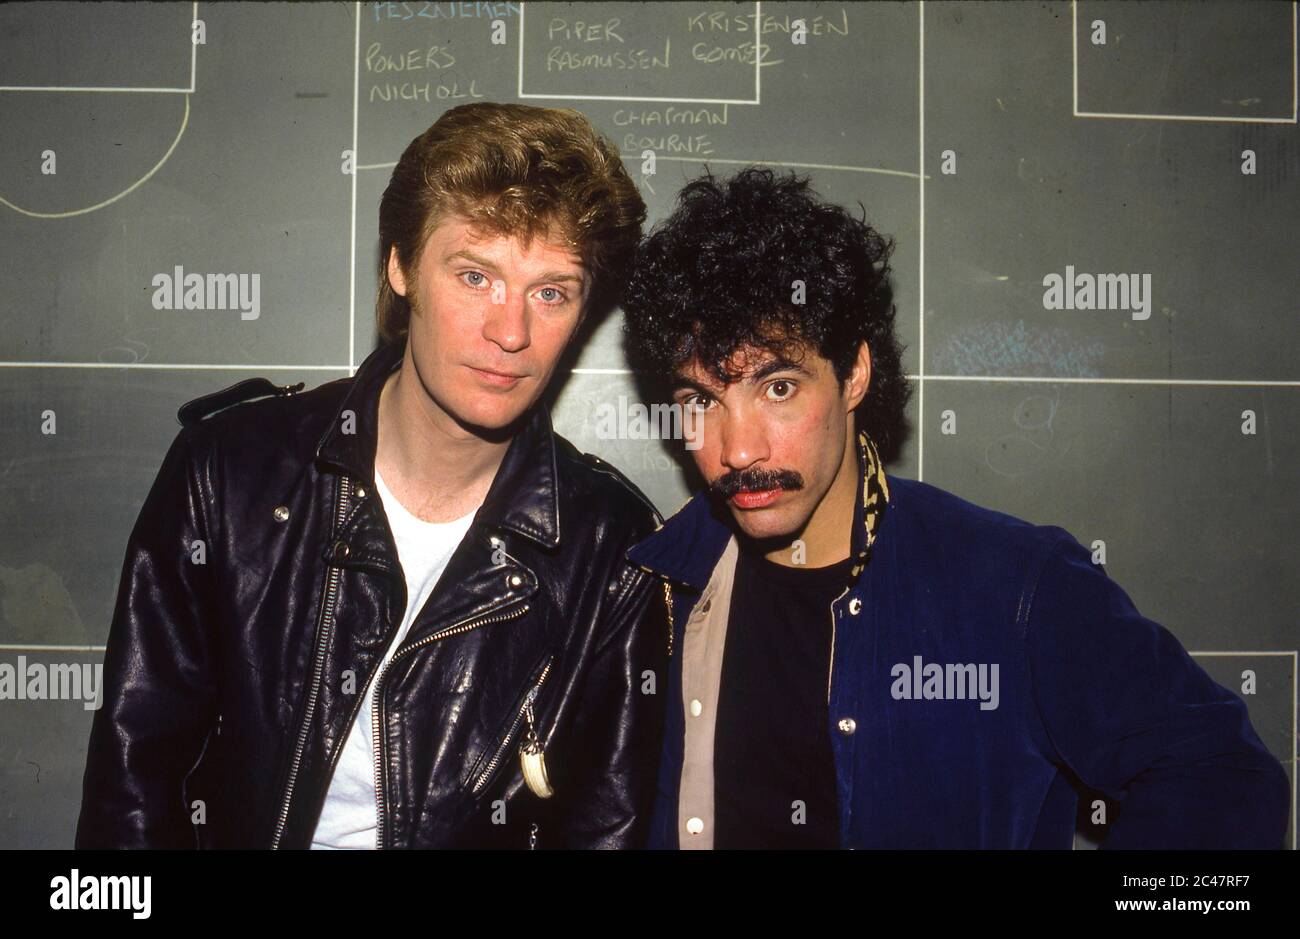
<point x="1002" y="145"/>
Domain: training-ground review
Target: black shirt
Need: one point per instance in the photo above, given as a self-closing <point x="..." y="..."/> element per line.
<point x="772" y="744"/>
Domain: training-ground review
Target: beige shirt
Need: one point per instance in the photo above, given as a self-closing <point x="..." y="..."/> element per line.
<point x="703" y="643"/>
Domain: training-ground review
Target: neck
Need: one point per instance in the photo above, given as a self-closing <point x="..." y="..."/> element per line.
<point x="438" y="469"/>
<point x="827" y="535"/>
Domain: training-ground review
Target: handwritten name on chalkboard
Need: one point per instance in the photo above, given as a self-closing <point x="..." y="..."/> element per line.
<point x="429" y="60"/>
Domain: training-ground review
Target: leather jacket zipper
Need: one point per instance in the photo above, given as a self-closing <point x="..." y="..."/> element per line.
<point x="514" y="726"/>
<point x="376" y="711"/>
<point x="323" y="630"/>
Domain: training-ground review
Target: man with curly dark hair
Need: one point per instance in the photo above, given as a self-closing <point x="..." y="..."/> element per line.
<point x="862" y="660"/>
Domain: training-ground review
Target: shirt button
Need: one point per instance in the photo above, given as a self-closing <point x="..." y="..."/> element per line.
<point x="695" y="825"/>
<point x="855" y="606"/>
<point x="696" y="707"/>
<point x="847" y="725"/>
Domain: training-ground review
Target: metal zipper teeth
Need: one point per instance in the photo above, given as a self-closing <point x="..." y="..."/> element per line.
<point x="376" y="711"/>
<point x="668" y="599"/>
<point x="323" y="630"/>
<point x="501" y="750"/>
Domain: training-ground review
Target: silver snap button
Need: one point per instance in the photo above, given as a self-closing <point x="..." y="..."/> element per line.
<point x="515" y="580"/>
<point x="855" y="606"/>
<point x="281" y="513"/>
<point x="361" y="492"/>
<point x="847" y="725"/>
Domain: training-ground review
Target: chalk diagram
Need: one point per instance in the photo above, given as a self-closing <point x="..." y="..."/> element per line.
<point x="1029" y="437"/>
<point x="109" y="89"/>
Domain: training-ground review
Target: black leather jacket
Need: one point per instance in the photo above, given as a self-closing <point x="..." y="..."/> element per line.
<point x="261" y="588"/>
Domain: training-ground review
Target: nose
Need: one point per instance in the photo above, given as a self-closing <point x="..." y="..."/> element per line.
<point x="743" y="440"/>
<point x="506" y="323"/>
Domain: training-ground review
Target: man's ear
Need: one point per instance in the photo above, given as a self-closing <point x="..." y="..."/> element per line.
<point x="396" y="279"/>
<point x="855" y="388"/>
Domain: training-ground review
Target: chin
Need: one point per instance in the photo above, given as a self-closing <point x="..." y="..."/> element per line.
<point x="767" y="523"/>
<point x="491" y="414"/>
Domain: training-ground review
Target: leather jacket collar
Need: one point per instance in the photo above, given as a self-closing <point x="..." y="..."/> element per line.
<point x="523" y="497"/>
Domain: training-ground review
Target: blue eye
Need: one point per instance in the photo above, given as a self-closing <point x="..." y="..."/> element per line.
<point x="559" y="295"/>
<point x="476" y="274"/>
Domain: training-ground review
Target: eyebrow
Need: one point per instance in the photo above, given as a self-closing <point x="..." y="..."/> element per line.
<point x="779" y="365"/>
<point x="680" y="381"/>
<point x="484" y="262"/>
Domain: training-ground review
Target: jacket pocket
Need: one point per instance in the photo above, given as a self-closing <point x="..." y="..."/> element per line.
<point x="488" y="768"/>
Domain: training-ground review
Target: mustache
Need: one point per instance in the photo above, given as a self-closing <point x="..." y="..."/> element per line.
<point x="728" y="484"/>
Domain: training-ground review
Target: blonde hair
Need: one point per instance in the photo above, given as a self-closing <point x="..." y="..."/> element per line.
<point x="517" y="171"/>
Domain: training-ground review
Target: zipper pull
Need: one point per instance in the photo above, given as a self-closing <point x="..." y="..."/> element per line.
<point x="531" y="756"/>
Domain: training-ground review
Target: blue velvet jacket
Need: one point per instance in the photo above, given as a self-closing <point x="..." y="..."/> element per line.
<point x="1090" y="691"/>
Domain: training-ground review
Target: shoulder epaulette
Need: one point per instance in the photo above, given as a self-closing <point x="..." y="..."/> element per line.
<point x="609" y="469"/>
<point x="191" y="412"/>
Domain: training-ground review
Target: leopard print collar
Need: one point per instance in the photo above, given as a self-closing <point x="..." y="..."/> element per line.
<point x="875" y="499"/>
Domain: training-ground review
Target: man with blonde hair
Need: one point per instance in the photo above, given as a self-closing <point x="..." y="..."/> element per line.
<point x="412" y="623"/>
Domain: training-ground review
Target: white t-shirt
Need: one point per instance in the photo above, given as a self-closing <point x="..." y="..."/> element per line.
<point x="347" y="819"/>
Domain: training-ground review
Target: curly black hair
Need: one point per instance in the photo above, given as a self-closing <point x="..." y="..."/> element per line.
<point x="719" y="274"/>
